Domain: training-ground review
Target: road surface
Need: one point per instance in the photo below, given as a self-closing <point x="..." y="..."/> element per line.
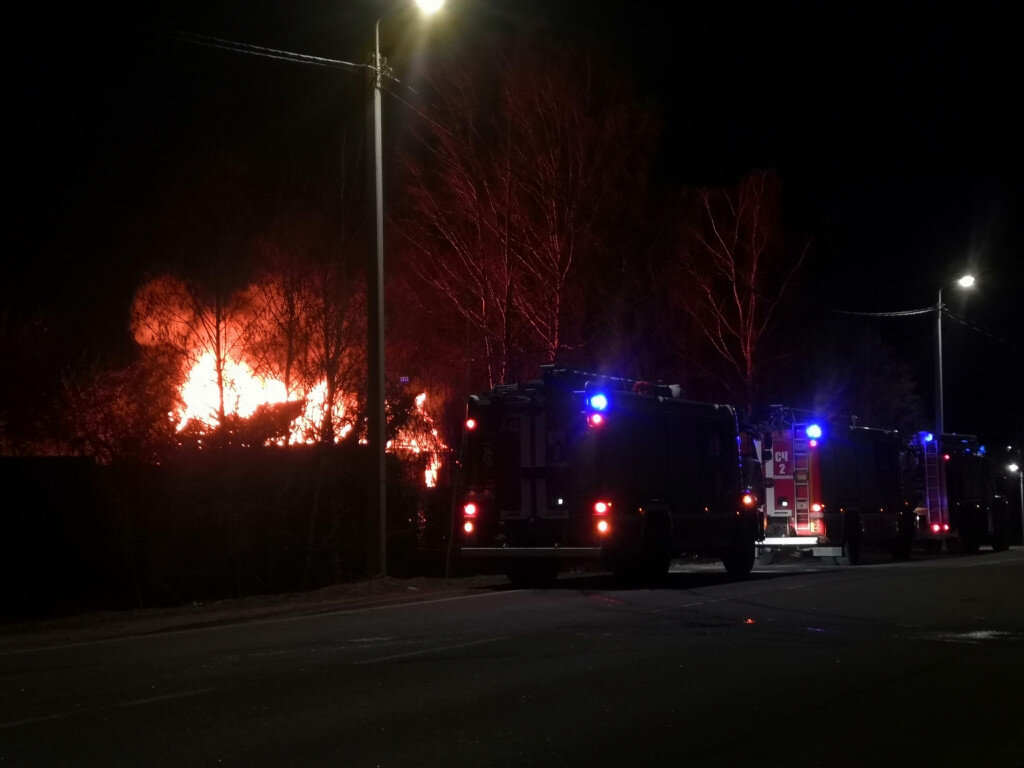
<point x="917" y="663"/>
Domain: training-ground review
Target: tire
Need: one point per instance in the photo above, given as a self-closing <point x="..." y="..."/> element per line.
<point x="1000" y="525"/>
<point x="739" y="560"/>
<point x="1000" y="540"/>
<point x="852" y="540"/>
<point x="903" y="545"/>
<point x="969" y="542"/>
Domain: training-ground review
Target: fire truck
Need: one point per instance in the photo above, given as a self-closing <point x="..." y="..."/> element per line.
<point x="833" y="488"/>
<point x="955" y="488"/>
<point x="578" y="466"/>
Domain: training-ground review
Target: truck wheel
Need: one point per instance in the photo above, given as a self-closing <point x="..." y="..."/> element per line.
<point x="1000" y="524"/>
<point x="852" y="543"/>
<point x="903" y="544"/>
<point x="739" y="560"/>
<point x="969" y="542"/>
<point x="1000" y="540"/>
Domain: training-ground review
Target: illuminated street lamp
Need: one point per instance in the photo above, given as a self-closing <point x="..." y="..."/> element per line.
<point x="376" y="436"/>
<point x="964" y="282"/>
<point x="1020" y="477"/>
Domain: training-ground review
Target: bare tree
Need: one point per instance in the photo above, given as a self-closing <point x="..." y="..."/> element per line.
<point x="518" y="180"/>
<point x="172" y="313"/>
<point x="121" y="414"/>
<point x="737" y="272"/>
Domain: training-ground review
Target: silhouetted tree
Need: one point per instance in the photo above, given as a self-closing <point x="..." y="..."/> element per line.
<point x="523" y="170"/>
<point x="861" y="376"/>
<point x="121" y="414"/>
<point x="182" y="317"/>
<point x="736" y="273"/>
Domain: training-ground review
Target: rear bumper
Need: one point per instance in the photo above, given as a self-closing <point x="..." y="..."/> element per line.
<point x="563" y="553"/>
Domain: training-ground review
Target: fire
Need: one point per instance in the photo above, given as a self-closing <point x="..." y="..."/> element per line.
<point x="422" y="439"/>
<point x="245" y="391"/>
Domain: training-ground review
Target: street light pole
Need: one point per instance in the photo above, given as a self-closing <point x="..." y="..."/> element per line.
<point x="964" y="282"/>
<point x="375" y="424"/>
<point x="939" y="412"/>
<point x="376" y="421"/>
<point x="1020" y="477"/>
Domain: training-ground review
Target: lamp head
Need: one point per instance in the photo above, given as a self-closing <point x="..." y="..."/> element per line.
<point x="966" y="281"/>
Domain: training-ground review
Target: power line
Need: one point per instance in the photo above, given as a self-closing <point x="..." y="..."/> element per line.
<point x="256" y="50"/>
<point x="982" y="330"/>
<point x="904" y="313"/>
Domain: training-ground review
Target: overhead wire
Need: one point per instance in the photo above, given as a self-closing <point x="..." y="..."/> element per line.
<point x="903" y="313"/>
<point x="974" y="326"/>
<point x="977" y="327"/>
<point x="255" y="50"/>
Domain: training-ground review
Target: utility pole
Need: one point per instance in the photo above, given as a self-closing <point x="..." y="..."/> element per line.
<point x="376" y="437"/>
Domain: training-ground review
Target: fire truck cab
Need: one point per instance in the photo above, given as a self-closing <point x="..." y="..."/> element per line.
<point x="833" y="488"/>
<point x="585" y="467"/>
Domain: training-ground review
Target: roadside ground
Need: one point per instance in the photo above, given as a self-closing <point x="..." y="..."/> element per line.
<point x="91" y="627"/>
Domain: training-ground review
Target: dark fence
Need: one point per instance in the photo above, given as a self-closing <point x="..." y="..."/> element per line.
<point x="202" y="526"/>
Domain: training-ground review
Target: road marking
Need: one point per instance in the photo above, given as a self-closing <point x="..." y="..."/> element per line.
<point x="425" y="651"/>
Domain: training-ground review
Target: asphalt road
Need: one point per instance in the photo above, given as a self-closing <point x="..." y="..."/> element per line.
<point x="919" y="663"/>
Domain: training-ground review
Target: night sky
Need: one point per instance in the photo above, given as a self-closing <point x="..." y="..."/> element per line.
<point x="895" y="134"/>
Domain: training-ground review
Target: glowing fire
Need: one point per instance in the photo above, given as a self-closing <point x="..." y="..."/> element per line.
<point x="420" y="440"/>
<point x="245" y="391"/>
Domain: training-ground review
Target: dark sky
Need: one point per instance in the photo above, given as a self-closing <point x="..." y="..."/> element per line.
<point x="895" y="133"/>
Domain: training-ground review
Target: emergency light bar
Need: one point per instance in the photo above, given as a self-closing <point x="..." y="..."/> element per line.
<point x="598" y="404"/>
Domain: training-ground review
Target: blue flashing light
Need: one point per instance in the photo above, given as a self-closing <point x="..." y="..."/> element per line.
<point x="981" y="450"/>
<point x="928" y="437"/>
<point x="599" y="401"/>
<point x="813" y="431"/>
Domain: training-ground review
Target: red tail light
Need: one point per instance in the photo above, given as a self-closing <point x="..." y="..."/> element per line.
<point x="595" y="419"/>
<point x="471" y="424"/>
<point x="748" y="500"/>
<point x="601" y="510"/>
<point x="936" y="527"/>
<point x="468" y="526"/>
<point x="469" y="509"/>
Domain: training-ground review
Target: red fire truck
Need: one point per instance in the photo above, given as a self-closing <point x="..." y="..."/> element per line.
<point x="833" y="488"/>
<point x="955" y="486"/>
<point x="577" y="466"/>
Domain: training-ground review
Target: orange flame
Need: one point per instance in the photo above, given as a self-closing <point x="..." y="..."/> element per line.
<point x="245" y="391"/>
